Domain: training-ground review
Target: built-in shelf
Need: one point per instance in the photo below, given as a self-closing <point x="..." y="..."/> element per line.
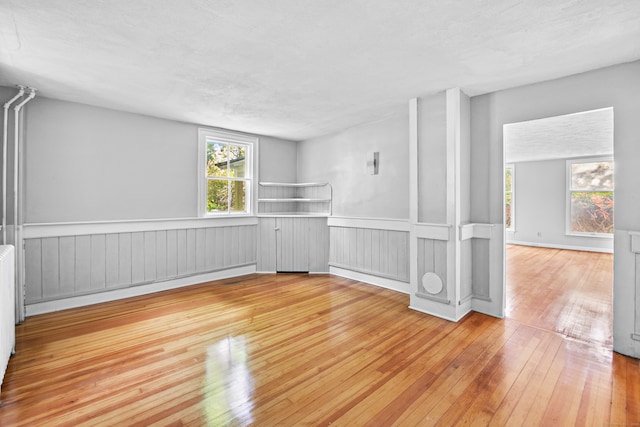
<point x="294" y="199"/>
<point x="294" y="184"/>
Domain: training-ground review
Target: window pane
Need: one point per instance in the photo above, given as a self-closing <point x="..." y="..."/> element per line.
<point x="217" y="195"/>
<point x="592" y="212"/>
<point x="238" y="196"/>
<point x="217" y="154"/>
<point x="507" y="179"/>
<point x="507" y="210"/>
<point x="237" y="161"/>
<point x="592" y="176"/>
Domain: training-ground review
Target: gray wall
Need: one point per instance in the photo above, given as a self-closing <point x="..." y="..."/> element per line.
<point x="85" y="163"/>
<point x="432" y="159"/>
<point x="278" y="160"/>
<point x="540" y="207"/>
<point x="617" y="86"/>
<point x="341" y="160"/>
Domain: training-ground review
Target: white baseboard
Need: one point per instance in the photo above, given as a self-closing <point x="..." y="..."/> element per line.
<point x="116" y="294"/>
<point x="394" y="285"/>
<point x="555" y="246"/>
<point x="456" y="318"/>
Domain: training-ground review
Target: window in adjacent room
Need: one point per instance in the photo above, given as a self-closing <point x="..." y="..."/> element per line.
<point x="225" y="173"/>
<point x="590" y="197"/>
<point x="509" y="201"/>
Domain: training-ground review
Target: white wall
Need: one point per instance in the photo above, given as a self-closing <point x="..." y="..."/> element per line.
<point x="618" y="87"/>
<point x="341" y="159"/>
<point x="540" y="207"/>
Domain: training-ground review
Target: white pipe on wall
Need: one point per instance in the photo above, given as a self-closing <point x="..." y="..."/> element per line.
<point x="5" y="143"/>
<point x="20" y="314"/>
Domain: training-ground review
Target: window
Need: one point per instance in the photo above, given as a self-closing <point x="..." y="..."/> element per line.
<point x="225" y="173"/>
<point x="590" y="197"/>
<point x="509" y="201"/>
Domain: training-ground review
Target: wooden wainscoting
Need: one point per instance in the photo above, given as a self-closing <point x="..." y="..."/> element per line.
<point x="293" y="350"/>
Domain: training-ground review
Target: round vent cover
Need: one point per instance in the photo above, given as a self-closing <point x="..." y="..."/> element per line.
<point x="432" y="283"/>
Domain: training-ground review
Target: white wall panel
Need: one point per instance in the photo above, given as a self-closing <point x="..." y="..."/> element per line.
<point x="50" y="267"/>
<point x="383" y="253"/>
<point x="98" y="261"/>
<point x="66" y="266"/>
<point x="201" y="249"/>
<point x="67" y="252"/>
<point x="266" y="254"/>
<point x="137" y="257"/>
<point x="191" y="251"/>
<point x="124" y="259"/>
<point x="172" y="253"/>
<point x="83" y="265"/>
<point x="33" y="269"/>
<point x="161" y="255"/>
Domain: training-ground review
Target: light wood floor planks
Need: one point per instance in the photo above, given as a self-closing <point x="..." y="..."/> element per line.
<point x="292" y="350"/>
<point x="569" y="292"/>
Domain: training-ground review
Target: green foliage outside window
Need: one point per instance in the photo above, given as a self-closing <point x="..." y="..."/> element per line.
<point x="592" y="211"/>
<point x="592" y="186"/>
<point x="226" y="188"/>
<point x="508" y="196"/>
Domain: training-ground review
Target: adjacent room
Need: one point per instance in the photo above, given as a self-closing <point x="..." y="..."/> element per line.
<point x="309" y="213"/>
<point x="559" y="220"/>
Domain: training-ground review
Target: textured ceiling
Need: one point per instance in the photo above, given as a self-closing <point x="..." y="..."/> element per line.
<point x="574" y="135"/>
<point x="299" y="69"/>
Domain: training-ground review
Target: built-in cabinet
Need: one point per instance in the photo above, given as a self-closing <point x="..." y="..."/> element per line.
<point x="293" y="235"/>
<point x="293" y="244"/>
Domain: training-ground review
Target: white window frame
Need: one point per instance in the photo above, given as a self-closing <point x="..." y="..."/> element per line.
<point x="513" y="195"/>
<point x="251" y="169"/>
<point x="569" y="190"/>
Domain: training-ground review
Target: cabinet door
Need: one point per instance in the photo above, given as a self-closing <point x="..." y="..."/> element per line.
<point x="292" y="244"/>
<point x="266" y="245"/>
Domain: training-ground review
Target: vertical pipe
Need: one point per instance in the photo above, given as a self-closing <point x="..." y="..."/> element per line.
<point x="16" y="229"/>
<point x="5" y="143"/>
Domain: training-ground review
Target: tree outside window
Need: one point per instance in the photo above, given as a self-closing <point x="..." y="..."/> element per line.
<point x="227" y="177"/>
<point x="591" y="188"/>
<point x="508" y="197"/>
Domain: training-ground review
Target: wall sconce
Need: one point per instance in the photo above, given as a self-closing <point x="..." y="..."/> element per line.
<point x="373" y="162"/>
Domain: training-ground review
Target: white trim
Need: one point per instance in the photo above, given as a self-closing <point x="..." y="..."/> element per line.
<point x="251" y="169"/>
<point x="373" y="223"/>
<point x="635" y="241"/>
<point x="589" y="235"/>
<point x="432" y="231"/>
<point x="555" y="246"/>
<point x="466" y="309"/>
<point x="475" y="231"/>
<point x="33" y="231"/>
<point x="394" y="285"/>
<point x="117" y="294"/>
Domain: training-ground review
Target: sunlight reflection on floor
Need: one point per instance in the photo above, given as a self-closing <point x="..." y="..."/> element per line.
<point x="228" y="383"/>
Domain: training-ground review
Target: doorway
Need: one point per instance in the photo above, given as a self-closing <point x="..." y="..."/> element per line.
<point x="558" y="203"/>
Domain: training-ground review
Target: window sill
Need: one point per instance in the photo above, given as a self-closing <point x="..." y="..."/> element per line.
<point x="596" y="235"/>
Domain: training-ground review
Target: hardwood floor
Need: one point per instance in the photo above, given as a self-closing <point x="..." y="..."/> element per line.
<point x="569" y="292"/>
<point x="293" y="350"/>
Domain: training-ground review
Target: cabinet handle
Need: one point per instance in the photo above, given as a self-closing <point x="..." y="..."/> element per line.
<point x="277" y="228"/>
